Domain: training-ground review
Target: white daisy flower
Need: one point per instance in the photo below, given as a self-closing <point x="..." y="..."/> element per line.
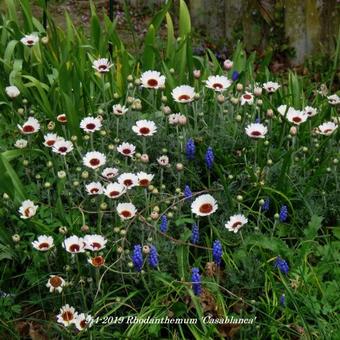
<point x="67" y="315"/>
<point x="20" y="143"/>
<point x="236" y="222"/>
<point x="247" y="98"/>
<point x="109" y="173"/>
<point x="94" y="159"/>
<point x="63" y="147"/>
<point x="62" y="118"/>
<point x="119" y="110"/>
<point x="43" y="243"/>
<point x="114" y="190"/>
<point x="152" y="80"/>
<point x="128" y="179"/>
<point x="27" y="209"/>
<point x="296" y="117"/>
<point x="310" y="111"/>
<point x="30" y="126"/>
<point x="144" y="179"/>
<point x="51" y="138"/>
<point x="126" y="210"/>
<point x="83" y="321"/>
<point x="334" y="99"/>
<point x="228" y="64"/>
<point x="126" y="149"/>
<point x="94" y="188"/>
<point x="271" y="86"/>
<point x="204" y="205"/>
<point x="218" y="83"/>
<point x="30" y="40"/>
<point x="74" y="244"/>
<point x="144" y="127"/>
<point x="283" y="110"/>
<point x="91" y="124"/>
<point x="96" y="261"/>
<point x="256" y="130"/>
<point x="55" y="283"/>
<point x="95" y="242"/>
<point x="163" y="160"/>
<point x="12" y="91"/>
<point x="326" y="128"/>
<point x="102" y="65"/>
<point x="183" y="94"/>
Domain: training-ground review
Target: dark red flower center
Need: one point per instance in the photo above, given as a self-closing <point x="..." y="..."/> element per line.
<point x="30" y="42"/>
<point x="247" y="96"/>
<point x="94" y="190"/>
<point x="102" y="67"/>
<point x="97" y="261"/>
<point x="126" y="151"/>
<point x="55" y="281"/>
<point x="62" y="149"/>
<point x="296" y="119"/>
<point x="67" y="316"/>
<point x="152" y="82"/>
<point x="144" y="130"/>
<point x="217" y="86"/>
<point x="144" y="182"/>
<point x="94" y="161"/>
<point x="28" y="128"/>
<point x="96" y="245"/>
<point x="62" y="118"/>
<point x="114" y="193"/>
<point x="44" y="245"/>
<point x="27" y="212"/>
<point x="236" y="224"/>
<point x="206" y="208"/>
<point x="90" y="126"/>
<point x="256" y="133"/>
<point x="126" y="213"/>
<point x="50" y="142"/>
<point x="83" y="323"/>
<point x="184" y="97"/>
<point x="327" y="130"/>
<point x="74" y="248"/>
<point x="128" y="182"/>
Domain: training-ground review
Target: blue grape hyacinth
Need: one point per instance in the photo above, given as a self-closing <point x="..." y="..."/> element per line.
<point x="187" y="193"/>
<point x="217" y="252"/>
<point x="283" y="300"/>
<point x="190" y="149"/>
<point x="164" y="224"/>
<point x="137" y="257"/>
<point x="153" y="257"/>
<point x="194" y="234"/>
<point x="283" y="215"/>
<point x="196" y="281"/>
<point x="266" y="205"/>
<point x="282" y="265"/>
<point x="235" y="75"/>
<point x="209" y="158"/>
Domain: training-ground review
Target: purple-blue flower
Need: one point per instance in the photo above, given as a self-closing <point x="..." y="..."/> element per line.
<point x="266" y="205"/>
<point x="137" y="257"/>
<point x="194" y="234"/>
<point x="258" y="120"/>
<point x="283" y="215"/>
<point x="196" y="281"/>
<point x="190" y="149"/>
<point x="153" y="257"/>
<point x="283" y="300"/>
<point x="187" y="193"/>
<point x="217" y="252"/>
<point x="209" y="158"/>
<point x="164" y="224"/>
<point x="235" y="76"/>
<point x="282" y="265"/>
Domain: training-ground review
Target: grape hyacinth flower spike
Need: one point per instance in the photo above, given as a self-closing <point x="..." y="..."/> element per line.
<point x="164" y="224"/>
<point x="209" y="158"/>
<point x="194" y="234"/>
<point x="196" y="281"/>
<point x="217" y="252"/>
<point x="187" y="193"/>
<point x="153" y="257"/>
<point x="282" y="265"/>
<point x="190" y="149"/>
<point x="137" y="257"/>
<point x="283" y="215"/>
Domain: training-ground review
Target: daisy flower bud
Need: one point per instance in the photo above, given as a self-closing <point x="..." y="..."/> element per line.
<point x="85" y="228"/>
<point x="146" y="249"/>
<point x="234" y="100"/>
<point x="144" y="158"/>
<point x="239" y="198"/>
<point x="166" y="110"/>
<point x="221" y="98"/>
<point x="239" y="87"/>
<point x="16" y="238"/>
<point x="154" y="215"/>
<point x="293" y="131"/>
<point x="179" y="166"/>
<point x="63" y="230"/>
<point x="21" y="111"/>
<point x="61" y="174"/>
<point x="49" y="164"/>
<point x="164" y="99"/>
